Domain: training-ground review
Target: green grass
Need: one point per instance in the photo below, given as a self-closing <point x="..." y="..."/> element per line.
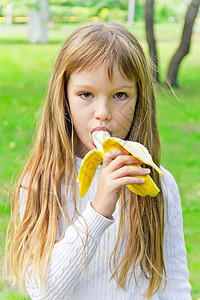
<point x="24" y="73"/>
<point x="179" y="123"/>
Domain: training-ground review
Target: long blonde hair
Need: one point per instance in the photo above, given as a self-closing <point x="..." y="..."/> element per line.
<point x="141" y="228"/>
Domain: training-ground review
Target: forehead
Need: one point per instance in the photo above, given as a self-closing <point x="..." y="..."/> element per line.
<point x="112" y="72"/>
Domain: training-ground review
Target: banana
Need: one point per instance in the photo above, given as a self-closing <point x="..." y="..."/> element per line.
<point x="104" y="143"/>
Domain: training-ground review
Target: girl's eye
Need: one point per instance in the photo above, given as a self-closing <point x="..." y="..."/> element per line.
<point x="120" y="96"/>
<point x="86" y="96"/>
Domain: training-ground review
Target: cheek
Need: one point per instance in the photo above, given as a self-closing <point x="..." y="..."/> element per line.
<point x="80" y="121"/>
<point x="75" y="110"/>
<point x="126" y="113"/>
<point x="123" y="119"/>
<point x="79" y="124"/>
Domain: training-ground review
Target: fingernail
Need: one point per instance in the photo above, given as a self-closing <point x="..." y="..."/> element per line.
<point x="142" y="180"/>
<point x="147" y="171"/>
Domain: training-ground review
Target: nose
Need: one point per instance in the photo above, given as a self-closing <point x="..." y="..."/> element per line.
<point x="102" y="111"/>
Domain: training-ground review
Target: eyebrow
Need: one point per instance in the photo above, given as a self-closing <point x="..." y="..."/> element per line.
<point x="120" y="87"/>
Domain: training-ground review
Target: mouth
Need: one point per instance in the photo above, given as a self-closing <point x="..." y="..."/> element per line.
<point x="99" y="128"/>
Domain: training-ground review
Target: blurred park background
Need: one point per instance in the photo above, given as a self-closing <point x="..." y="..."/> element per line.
<point x="29" y="43"/>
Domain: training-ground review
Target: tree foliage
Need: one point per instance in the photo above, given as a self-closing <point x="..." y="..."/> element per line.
<point x="123" y="4"/>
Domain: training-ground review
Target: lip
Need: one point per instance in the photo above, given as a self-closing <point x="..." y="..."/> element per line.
<point x="99" y="128"/>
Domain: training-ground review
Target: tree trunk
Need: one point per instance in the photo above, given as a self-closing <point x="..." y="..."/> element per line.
<point x="184" y="46"/>
<point x="1" y="14"/>
<point x="34" y="26"/>
<point x="9" y="13"/>
<point x="149" y="15"/>
<point x="37" y="25"/>
<point x="44" y="16"/>
<point x="131" y="11"/>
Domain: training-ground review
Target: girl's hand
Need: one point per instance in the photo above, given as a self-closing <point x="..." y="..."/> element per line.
<point x="114" y="175"/>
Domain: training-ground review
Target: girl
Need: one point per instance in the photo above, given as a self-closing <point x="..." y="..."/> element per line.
<point x="110" y="244"/>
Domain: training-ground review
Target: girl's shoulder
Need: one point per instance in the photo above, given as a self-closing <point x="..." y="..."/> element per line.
<point x="168" y="182"/>
<point x="170" y="192"/>
<point x="168" y="178"/>
<point x="25" y="181"/>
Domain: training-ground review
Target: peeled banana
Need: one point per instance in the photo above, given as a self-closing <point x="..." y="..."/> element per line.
<point x="104" y="143"/>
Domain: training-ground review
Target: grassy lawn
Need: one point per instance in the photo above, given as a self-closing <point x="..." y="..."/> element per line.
<point x="24" y="73"/>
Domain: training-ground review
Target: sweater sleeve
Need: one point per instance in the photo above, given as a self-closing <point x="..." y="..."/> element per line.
<point x="67" y="262"/>
<point x="178" y="286"/>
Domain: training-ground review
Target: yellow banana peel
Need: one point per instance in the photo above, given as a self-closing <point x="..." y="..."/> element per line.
<point x="104" y="142"/>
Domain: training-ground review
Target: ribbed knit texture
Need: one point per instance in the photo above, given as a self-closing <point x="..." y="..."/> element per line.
<point x="68" y="279"/>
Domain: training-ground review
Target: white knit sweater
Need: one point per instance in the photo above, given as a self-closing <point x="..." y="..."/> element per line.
<point x="68" y="279"/>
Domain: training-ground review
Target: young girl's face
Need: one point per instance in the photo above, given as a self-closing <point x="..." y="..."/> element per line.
<point x="96" y="103"/>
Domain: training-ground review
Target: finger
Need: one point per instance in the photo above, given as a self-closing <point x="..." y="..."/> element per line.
<point x="120" y="161"/>
<point x="120" y="182"/>
<point x="130" y="170"/>
<point x="111" y="155"/>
